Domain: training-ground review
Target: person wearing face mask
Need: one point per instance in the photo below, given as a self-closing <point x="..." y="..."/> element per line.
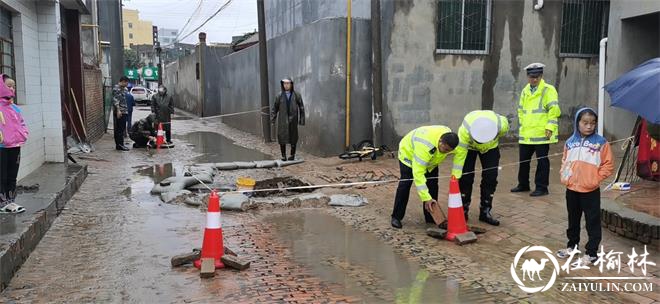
<point x="13" y="134"/>
<point x="120" y="112"/>
<point x="288" y="112"/>
<point x="163" y="106"/>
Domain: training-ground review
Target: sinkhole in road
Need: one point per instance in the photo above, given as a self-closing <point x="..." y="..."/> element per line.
<point x="360" y="263"/>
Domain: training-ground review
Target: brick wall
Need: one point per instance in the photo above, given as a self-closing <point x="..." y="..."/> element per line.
<point x="94" y="120"/>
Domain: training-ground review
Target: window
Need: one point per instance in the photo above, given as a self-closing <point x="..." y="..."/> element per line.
<point x="130" y="35"/>
<point x="463" y="26"/>
<point x="173" y="33"/>
<point x="6" y="44"/>
<point x="583" y="25"/>
<point x="130" y="25"/>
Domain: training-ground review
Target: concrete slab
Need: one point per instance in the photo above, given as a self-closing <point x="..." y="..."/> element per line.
<point x="347" y="200"/>
<point x="20" y="233"/>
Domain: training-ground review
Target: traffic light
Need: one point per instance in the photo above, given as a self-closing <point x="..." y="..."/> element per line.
<point x="155" y="33"/>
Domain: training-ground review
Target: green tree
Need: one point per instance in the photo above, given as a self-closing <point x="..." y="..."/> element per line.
<point x="131" y="59"/>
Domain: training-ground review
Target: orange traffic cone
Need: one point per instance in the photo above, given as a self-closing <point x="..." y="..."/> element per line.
<point x="213" y="246"/>
<point x="159" y="136"/>
<point x="455" y="218"/>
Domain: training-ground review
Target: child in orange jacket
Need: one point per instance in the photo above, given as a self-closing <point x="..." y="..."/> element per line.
<point x="587" y="161"/>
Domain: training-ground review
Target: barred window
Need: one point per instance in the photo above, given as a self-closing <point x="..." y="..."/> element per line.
<point x="583" y="25"/>
<point x="6" y="44"/>
<point x="463" y="26"/>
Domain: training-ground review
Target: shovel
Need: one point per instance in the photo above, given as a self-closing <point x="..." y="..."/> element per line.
<point x="84" y="145"/>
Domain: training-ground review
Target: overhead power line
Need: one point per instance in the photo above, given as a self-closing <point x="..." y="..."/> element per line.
<point x="195" y="12"/>
<point x="207" y="20"/>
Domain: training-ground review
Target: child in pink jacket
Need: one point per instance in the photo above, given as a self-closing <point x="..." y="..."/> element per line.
<point x="13" y="134"/>
<point x="586" y="163"/>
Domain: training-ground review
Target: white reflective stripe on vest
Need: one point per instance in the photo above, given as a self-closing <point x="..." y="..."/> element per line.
<point x="423" y="141"/>
<point x="213" y="220"/>
<point x="541" y="109"/>
<point x="421" y="161"/>
<point x="422" y="188"/>
<point x="455" y="201"/>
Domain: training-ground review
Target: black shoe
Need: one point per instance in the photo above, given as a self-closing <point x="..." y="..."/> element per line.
<point x="122" y="148"/>
<point x="539" y="192"/>
<point x="486" y="217"/>
<point x="283" y="158"/>
<point x="292" y="157"/>
<point x="520" y="189"/>
<point x="443" y="225"/>
<point x="169" y="142"/>
<point x="396" y="223"/>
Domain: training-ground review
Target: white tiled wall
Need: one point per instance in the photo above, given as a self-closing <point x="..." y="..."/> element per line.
<point x="35" y="32"/>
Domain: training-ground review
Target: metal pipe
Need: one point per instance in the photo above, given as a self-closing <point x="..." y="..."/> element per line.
<point x="348" y="74"/>
<point x="263" y="70"/>
<point x="376" y="74"/>
<point x="601" y="84"/>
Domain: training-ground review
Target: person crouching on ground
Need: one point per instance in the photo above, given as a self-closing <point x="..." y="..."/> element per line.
<point x="289" y="105"/>
<point x="13" y="134"/>
<point x="143" y="132"/>
<point x="421" y="151"/>
<point x="587" y="161"/>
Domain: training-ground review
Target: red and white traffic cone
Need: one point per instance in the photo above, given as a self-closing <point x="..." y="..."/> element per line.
<point x="455" y="218"/>
<point x="160" y="139"/>
<point x="213" y="246"/>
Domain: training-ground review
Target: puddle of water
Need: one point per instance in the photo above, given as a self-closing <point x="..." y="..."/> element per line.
<point x="361" y="264"/>
<point x="217" y="148"/>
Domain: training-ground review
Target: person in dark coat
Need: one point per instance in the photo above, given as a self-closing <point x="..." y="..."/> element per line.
<point x="163" y="106"/>
<point x="143" y="132"/>
<point x="289" y="105"/>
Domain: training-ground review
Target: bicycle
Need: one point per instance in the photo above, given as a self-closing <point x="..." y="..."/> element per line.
<point x="366" y="149"/>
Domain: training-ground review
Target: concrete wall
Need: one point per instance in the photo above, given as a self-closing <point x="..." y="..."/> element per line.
<point x="181" y="81"/>
<point x="282" y="16"/>
<point x="315" y="57"/>
<point x="212" y="90"/>
<point x="110" y="26"/>
<point x="237" y="80"/>
<point x="420" y="87"/>
<point x="631" y="41"/>
<point x="36" y="29"/>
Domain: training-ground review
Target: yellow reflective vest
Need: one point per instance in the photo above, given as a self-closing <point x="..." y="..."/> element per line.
<point x="419" y="151"/>
<point x="538" y="112"/>
<point x="466" y="142"/>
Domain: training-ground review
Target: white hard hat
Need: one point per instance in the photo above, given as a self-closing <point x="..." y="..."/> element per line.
<point x="483" y="130"/>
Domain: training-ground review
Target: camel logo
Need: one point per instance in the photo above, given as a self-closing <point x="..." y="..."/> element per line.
<point x="531" y="269"/>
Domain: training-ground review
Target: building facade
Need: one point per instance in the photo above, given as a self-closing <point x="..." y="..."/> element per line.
<point x="633" y="38"/>
<point x="136" y="31"/>
<point x="42" y="50"/>
<point x="167" y="36"/>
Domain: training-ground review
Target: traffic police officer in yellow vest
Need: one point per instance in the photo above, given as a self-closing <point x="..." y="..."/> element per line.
<point x="479" y="135"/>
<point x="420" y="153"/>
<point x="538" y="114"/>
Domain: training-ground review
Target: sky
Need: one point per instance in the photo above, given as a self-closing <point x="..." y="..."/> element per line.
<point x="236" y="19"/>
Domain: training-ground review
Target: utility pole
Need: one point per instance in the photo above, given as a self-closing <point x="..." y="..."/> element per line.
<point x="160" y="64"/>
<point x="263" y="71"/>
<point x="377" y="75"/>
